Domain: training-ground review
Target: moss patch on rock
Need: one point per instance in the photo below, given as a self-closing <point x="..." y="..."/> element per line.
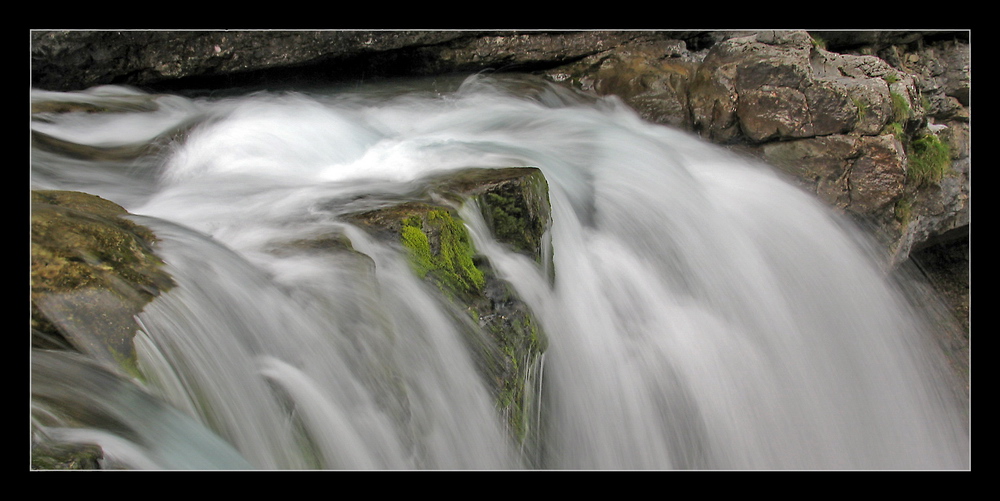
<point x="514" y="203"/>
<point x="506" y="340"/>
<point x="450" y="259"/>
<point x="92" y="270"/>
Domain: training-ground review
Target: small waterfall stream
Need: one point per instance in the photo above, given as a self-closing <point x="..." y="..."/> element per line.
<point x="700" y="312"/>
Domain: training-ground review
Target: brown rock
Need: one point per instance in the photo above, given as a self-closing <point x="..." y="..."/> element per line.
<point x="878" y="175"/>
<point x="91" y="271"/>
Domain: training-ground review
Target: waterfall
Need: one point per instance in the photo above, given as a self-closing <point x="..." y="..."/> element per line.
<point x="701" y="313"/>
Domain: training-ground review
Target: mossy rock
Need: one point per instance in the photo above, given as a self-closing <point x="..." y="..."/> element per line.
<point x="92" y="270"/>
<point x="503" y="334"/>
<point x="514" y="202"/>
<point x="439" y="247"/>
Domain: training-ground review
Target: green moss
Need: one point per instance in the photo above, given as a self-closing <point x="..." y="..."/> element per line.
<point x="514" y="367"/>
<point x="514" y="203"/>
<point x="901" y="112"/>
<point x="508" y="218"/>
<point x="416" y="242"/>
<point x="896" y="129"/>
<point x="441" y="250"/>
<point x="451" y="263"/>
<point x="516" y="215"/>
<point x="929" y="160"/>
<point x="497" y="325"/>
<point x="900" y="107"/>
<point x="457" y="250"/>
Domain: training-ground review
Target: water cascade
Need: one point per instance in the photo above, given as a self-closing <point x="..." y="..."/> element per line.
<point x="700" y="312"/>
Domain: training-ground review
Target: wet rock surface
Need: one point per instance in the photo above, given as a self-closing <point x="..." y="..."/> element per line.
<point x="92" y="270"/>
<point x="500" y="327"/>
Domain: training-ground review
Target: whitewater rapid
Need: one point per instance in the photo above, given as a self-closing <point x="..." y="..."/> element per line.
<point x="704" y="313"/>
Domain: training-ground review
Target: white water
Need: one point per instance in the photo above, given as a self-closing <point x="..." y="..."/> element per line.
<point x="703" y="315"/>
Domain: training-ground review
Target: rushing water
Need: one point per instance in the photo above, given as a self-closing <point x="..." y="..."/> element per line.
<point x="703" y="313"/>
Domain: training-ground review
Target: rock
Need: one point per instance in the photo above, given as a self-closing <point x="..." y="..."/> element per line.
<point x="829" y="119"/>
<point x="500" y="327"/>
<point x="74" y="60"/>
<point x="870" y="40"/>
<point x="514" y="202"/>
<point x="863" y="175"/>
<point x="92" y="270"/>
<point x="820" y="164"/>
<point x="877" y="176"/>
<point x="869" y="178"/>
<point x="521" y="50"/>
<point x="945" y="262"/>
<point x="776" y="86"/>
<point x="650" y="74"/>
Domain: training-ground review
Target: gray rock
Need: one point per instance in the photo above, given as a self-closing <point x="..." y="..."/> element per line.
<point x="73" y="60"/>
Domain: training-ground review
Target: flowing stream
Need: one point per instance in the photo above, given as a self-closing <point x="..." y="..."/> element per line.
<point x="701" y="313"/>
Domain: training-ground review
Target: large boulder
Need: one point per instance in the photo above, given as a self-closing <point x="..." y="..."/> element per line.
<point x="651" y="74"/>
<point x="876" y="124"/>
<point x="841" y="124"/>
<point x="849" y="127"/>
<point x="780" y="85"/>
